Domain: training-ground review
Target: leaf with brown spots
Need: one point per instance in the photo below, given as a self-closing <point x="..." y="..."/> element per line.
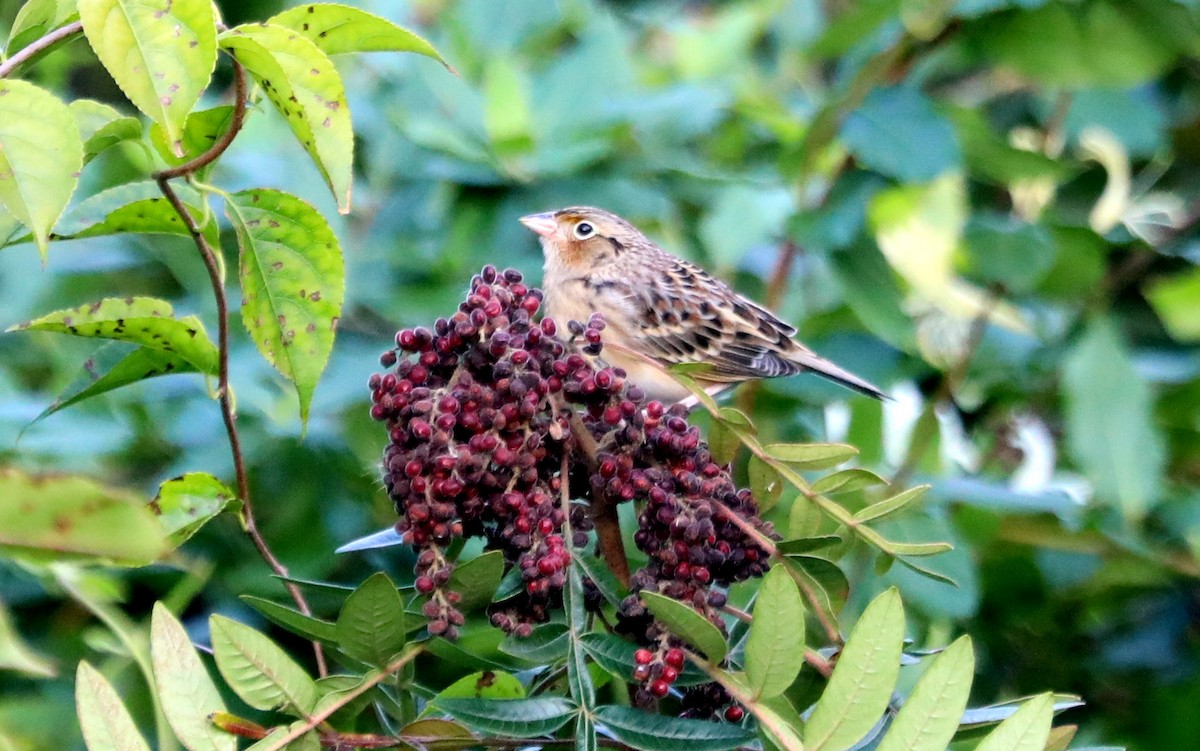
<point x="288" y="255"/>
<point x="200" y="132"/>
<point x="138" y="320"/>
<point x="40" y="157"/>
<point x="147" y="47"/>
<point x="114" y="365"/>
<point x="186" y="503"/>
<point x="74" y="517"/>
<point x="301" y="81"/>
<point x="338" y="29"/>
<point x="133" y="207"/>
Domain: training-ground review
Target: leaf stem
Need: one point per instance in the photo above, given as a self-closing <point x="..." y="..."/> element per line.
<point x="38" y="46"/>
<point x="224" y="393"/>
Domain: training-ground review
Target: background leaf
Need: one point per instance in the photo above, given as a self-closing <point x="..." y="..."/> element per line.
<point x="105" y="721"/>
<point x="187" y="694"/>
<point x="261" y="673"/>
<point x="775" y="643"/>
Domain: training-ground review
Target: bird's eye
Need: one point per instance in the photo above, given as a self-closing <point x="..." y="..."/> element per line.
<point x="583" y="230"/>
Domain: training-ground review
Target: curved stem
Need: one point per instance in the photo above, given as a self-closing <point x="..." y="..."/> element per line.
<point x="224" y="394"/>
<point x="25" y="54"/>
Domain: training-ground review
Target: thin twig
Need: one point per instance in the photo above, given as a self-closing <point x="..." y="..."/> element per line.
<point x="39" y="46"/>
<point x="225" y="396"/>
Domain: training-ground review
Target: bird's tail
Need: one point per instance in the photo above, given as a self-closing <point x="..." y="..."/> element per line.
<point x="828" y="370"/>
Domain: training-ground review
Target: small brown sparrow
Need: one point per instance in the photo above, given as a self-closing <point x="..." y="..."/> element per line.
<point x="661" y="310"/>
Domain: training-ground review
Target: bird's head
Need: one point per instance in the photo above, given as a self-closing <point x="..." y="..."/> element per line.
<point x="582" y="236"/>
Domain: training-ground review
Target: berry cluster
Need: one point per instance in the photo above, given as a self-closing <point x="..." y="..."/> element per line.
<point x="480" y="413"/>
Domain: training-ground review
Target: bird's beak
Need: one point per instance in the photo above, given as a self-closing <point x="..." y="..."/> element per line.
<point x="543" y="224"/>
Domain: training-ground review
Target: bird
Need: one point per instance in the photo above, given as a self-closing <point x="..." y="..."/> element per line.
<point x="660" y="310"/>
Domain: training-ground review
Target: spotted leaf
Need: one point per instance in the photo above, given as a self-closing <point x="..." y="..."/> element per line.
<point x="138" y="320"/>
<point x="302" y="83"/>
<point x="293" y="281"/>
<point x="338" y="29"/>
<point x="160" y="52"/>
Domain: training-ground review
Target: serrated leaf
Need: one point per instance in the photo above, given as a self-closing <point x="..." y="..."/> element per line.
<point x="889" y="506"/>
<point x="765" y="483"/>
<point x="1026" y="730"/>
<point x="654" y="732"/>
<point x="302" y="83"/>
<point x="683" y="621"/>
<point x="35" y="19"/>
<point x="138" y="320"/>
<point x="476" y="580"/>
<point x="812" y="455"/>
<point x="929" y="719"/>
<point x="338" y="29"/>
<point x="160" y="52"/>
<point x="513" y="718"/>
<point x="103" y="718"/>
<point x="258" y="670"/>
<point x="1110" y="426"/>
<point x="486" y="684"/>
<point x="615" y="655"/>
<point x="41" y="154"/>
<point x="200" y="131"/>
<point x="101" y="126"/>
<point x="293" y="282"/>
<point x="185" y="691"/>
<point x="547" y="643"/>
<point x="775" y="644"/>
<point x="76" y="517"/>
<point x="16" y="655"/>
<point x="137" y="207"/>
<point x="370" y="626"/>
<point x="861" y="686"/>
<point x="847" y="480"/>
<point x="186" y="503"/>
<point x="293" y="620"/>
<point x="113" y="366"/>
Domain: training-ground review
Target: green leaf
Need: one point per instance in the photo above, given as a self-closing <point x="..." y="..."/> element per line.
<point x="200" y="131"/>
<point x="103" y="718"/>
<point x="370" y="627"/>
<point x="113" y="366"/>
<point x="889" y="506"/>
<point x="765" y="484"/>
<point x="929" y="719"/>
<point x="138" y="320"/>
<point x="486" y="684"/>
<point x="293" y="281"/>
<point x="547" y="643"/>
<point x="847" y="480"/>
<point x="37" y="18"/>
<point x="185" y="691"/>
<point x="16" y="655"/>
<point x="808" y="544"/>
<point x="1006" y="250"/>
<point x="309" y="741"/>
<point x="476" y="580"/>
<point x="507" y="117"/>
<point x="41" y="154"/>
<point x="606" y="582"/>
<point x="137" y="207"/>
<point x="293" y="620"/>
<point x="1110" y="426"/>
<point x="102" y="126"/>
<point x="1026" y="730"/>
<point x="897" y="132"/>
<point x="775" y="644"/>
<point x="683" y="621"/>
<point x="615" y="655"/>
<point x="654" y="732"/>
<point x="512" y="718"/>
<point x="861" y="686"/>
<point x="812" y="455"/>
<point x="160" y="52"/>
<point x="1174" y="300"/>
<point x="338" y="29"/>
<point x="186" y="503"/>
<point x="869" y="288"/>
<point x="303" y="84"/>
<point x="68" y="516"/>
<point x="261" y="673"/>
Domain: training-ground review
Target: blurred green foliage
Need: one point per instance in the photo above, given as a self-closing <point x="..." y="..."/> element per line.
<point x="986" y="206"/>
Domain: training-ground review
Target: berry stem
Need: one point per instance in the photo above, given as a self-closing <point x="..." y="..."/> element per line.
<point x="224" y="394"/>
<point x="604" y="514"/>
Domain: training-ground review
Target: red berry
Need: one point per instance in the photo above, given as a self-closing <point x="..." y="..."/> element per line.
<point x="674" y="658"/>
<point x="645" y="656"/>
<point x="659" y="688"/>
<point x="425" y="584"/>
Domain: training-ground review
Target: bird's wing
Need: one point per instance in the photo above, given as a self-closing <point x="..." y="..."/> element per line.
<point x="686" y="315"/>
